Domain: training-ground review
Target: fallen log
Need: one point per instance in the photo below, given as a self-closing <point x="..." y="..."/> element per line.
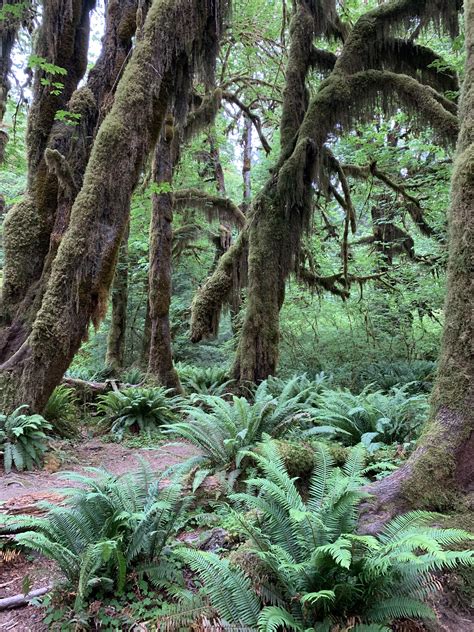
<point x="18" y="601"/>
<point x="89" y="391"/>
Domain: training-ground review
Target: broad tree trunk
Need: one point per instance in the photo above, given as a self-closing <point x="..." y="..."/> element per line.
<point x="58" y="156"/>
<point x="177" y="35"/>
<point x="440" y="473"/>
<point x="118" y="325"/>
<point x="8" y="32"/>
<point x="160" y="363"/>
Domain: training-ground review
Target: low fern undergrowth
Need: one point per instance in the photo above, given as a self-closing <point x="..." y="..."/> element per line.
<point x="224" y="431"/>
<point x="317" y="571"/>
<point x="109" y="528"/>
<point x="135" y="410"/>
<point x="22" y="439"/>
<point x="371" y="418"/>
<point x="62" y="412"/>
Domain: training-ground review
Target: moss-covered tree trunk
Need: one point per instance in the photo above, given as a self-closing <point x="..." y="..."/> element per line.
<point x="270" y="227"/>
<point x="177" y="35"/>
<point x="160" y="362"/>
<point x="370" y="64"/>
<point x="440" y="473"/>
<point x="8" y="30"/>
<point x="58" y="154"/>
<point x="116" y="338"/>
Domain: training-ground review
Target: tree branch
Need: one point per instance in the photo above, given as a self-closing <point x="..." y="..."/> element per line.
<point x="213" y="205"/>
<point x="232" y="98"/>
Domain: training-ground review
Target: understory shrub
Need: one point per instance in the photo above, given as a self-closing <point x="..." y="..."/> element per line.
<point x="225" y="430"/>
<point x="135" y="410"/>
<point x="62" y="412"/>
<point x="373" y="418"/>
<point x="109" y="527"/>
<point x="318" y="573"/>
<point x="22" y="439"/>
<point x="204" y="381"/>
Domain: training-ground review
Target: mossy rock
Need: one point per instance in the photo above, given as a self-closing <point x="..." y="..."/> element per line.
<point x="245" y="559"/>
<point x="298" y="458"/>
<point x="339" y="453"/>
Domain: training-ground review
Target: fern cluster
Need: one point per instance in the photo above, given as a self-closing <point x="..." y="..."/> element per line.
<point x="62" y="413"/>
<point x="138" y="410"/>
<point x="109" y="527"/>
<point x="225" y="430"/>
<point x="22" y="439"/>
<point x="370" y="418"/>
<point x="209" y="381"/>
<point x="300" y="386"/>
<point x="320" y="571"/>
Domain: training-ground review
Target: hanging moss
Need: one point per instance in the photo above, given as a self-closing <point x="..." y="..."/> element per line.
<point x="213" y="205"/>
<point x="228" y="278"/>
<point x="175" y="33"/>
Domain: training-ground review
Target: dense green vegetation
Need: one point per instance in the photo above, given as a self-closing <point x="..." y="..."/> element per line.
<point x="242" y="231"/>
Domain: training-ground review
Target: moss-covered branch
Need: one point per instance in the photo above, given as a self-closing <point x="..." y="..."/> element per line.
<point x="413" y="204"/>
<point x="213" y="205"/>
<point x="178" y="35"/>
<point x="228" y="278"/>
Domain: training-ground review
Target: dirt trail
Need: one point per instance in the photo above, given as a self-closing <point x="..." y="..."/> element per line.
<point x="20" y="490"/>
<point x="115" y="458"/>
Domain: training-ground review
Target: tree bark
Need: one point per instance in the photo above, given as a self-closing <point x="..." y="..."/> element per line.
<point x="34" y="228"/>
<point x="160" y="363"/>
<point x="8" y="33"/>
<point x="282" y="213"/>
<point x="118" y="326"/>
<point x="177" y="35"/>
<point x="440" y="473"/>
<point x="247" y="164"/>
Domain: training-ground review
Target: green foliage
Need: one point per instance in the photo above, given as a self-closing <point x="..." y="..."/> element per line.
<point x="300" y="386"/>
<point x="111" y="526"/>
<point x="204" y="381"/>
<point x="371" y="417"/>
<point x="225" y="430"/>
<point x="69" y="118"/>
<point x="62" y="412"/>
<point x="136" y="410"/>
<point x="320" y="572"/>
<point x="133" y="375"/>
<point x="22" y="439"/>
<point x="417" y="376"/>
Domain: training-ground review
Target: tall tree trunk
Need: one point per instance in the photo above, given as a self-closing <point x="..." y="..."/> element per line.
<point x="160" y="364"/>
<point x="118" y="326"/>
<point x="34" y="227"/>
<point x="247" y="164"/>
<point x="177" y="35"/>
<point x="440" y="473"/>
<point x="270" y="233"/>
<point x="8" y="31"/>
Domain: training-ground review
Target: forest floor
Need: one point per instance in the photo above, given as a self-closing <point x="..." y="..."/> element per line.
<point x="20" y="491"/>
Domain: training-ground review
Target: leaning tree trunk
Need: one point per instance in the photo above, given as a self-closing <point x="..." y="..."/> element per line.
<point x="116" y="339"/>
<point x="8" y="33"/>
<point x="176" y="35"/>
<point x="160" y="362"/>
<point x="366" y="68"/>
<point x="35" y="227"/>
<point x="440" y="473"/>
